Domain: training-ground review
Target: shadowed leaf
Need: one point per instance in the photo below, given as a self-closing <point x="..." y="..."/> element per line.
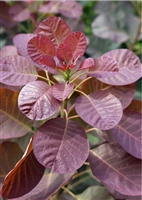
<point x="24" y="177"/>
<point x="62" y="91"/>
<point x="8" y="50"/>
<point x="36" y="101"/>
<point x="130" y="67"/>
<point x="13" y="123"/>
<point x="116" y="168"/>
<point x="128" y="133"/>
<point x="67" y="147"/>
<point x="49" y="64"/>
<point x="99" y="109"/>
<point x="16" y="70"/>
<point x="55" y="29"/>
<point x="135" y="105"/>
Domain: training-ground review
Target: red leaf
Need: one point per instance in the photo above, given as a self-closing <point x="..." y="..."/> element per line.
<point x="77" y="43"/>
<point x="116" y="168"/>
<point x="135" y="105"/>
<point x="67" y="147"/>
<point x="87" y="63"/>
<point x="27" y="173"/>
<point x="49" y="64"/>
<point x="64" y="54"/>
<point x="55" y="29"/>
<point x="36" y="101"/>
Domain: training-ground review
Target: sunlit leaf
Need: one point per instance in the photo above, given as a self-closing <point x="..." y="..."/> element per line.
<point x="130" y="67"/>
<point x="8" y="50"/>
<point x="116" y="168"/>
<point x="36" y="101"/>
<point x="128" y="133"/>
<point x="16" y="70"/>
<point x="55" y="29"/>
<point x="10" y="154"/>
<point x="24" y="177"/>
<point x="49" y="64"/>
<point x="64" y="54"/>
<point x="99" y="109"/>
<point x="13" y="123"/>
<point x="87" y="63"/>
<point x="62" y="91"/>
<point x="77" y="43"/>
<point x="67" y="147"/>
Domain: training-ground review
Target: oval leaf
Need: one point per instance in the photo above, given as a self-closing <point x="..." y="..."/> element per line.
<point x="87" y="63"/>
<point x="36" y="101"/>
<point x="13" y="123"/>
<point x="8" y="50"/>
<point x="27" y="172"/>
<point x="99" y="109"/>
<point x="64" y="54"/>
<point x="116" y="168"/>
<point x="40" y="46"/>
<point x="17" y="71"/>
<point x="55" y="29"/>
<point x="128" y="133"/>
<point x="49" y="64"/>
<point x="67" y="147"/>
<point x="77" y="43"/>
<point x="62" y="91"/>
<point x="130" y="67"/>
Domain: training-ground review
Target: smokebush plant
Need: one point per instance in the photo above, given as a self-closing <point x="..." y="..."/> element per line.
<point x="70" y="96"/>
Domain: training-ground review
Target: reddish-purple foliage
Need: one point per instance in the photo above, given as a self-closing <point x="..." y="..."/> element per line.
<point x="60" y="144"/>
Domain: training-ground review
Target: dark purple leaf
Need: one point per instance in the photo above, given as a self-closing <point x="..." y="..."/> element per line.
<point x="87" y="63"/>
<point x="27" y="172"/>
<point x="61" y="145"/>
<point x="104" y="67"/>
<point x="48" y="185"/>
<point x="128" y="133"/>
<point x="19" y="13"/>
<point x="16" y="70"/>
<point x="135" y="105"/>
<point x="64" y="54"/>
<point x="55" y="29"/>
<point x="117" y="169"/>
<point x="49" y="64"/>
<point x="61" y="91"/>
<point x="130" y="67"/>
<point x="77" y="43"/>
<point x="10" y="154"/>
<point x="13" y="123"/>
<point x="100" y="109"/>
<point x="40" y="46"/>
<point x="8" y="50"/>
<point x="36" y="101"/>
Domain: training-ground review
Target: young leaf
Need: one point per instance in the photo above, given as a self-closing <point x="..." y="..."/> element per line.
<point x="99" y="109"/>
<point x="130" y="67"/>
<point x="40" y="46"/>
<point x="49" y="64"/>
<point x="62" y="91"/>
<point x="16" y="70"/>
<point x="55" y="29"/>
<point x="104" y="67"/>
<point x="61" y="145"/>
<point x="27" y="172"/>
<point x="116" y="168"/>
<point x="128" y="133"/>
<point x="10" y="154"/>
<point x="64" y="54"/>
<point x="36" y="101"/>
<point x="8" y="50"/>
<point x="13" y="123"/>
<point x="77" y="43"/>
<point x="87" y="63"/>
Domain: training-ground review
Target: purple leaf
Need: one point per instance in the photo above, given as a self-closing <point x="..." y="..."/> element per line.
<point x="87" y="63"/>
<point x="99" y="109"/>
<point x="77" y="43"/>
<point x="61" y="91"/>
<point x="128" y="133"/>
<point x="36" y="101"/>
<point x="16" y="70"/>
<point x="49" y="64"/>
<point x="135" y="105"/>
<point x="61" y="145"/>
<point x="40" y="46"/>
<point x="19" y="13"/>
<point x="8" y="50"/>
<point x="130" y="67"/>
<point x="55" y="29"/>
<point x="48" y="185"/>
<point x="13" y="123"/>
<point x="50" y="7"/>
<point x="125" y="94"/>
<point x="104" y="67"/>
<point x="117" y="169"/>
